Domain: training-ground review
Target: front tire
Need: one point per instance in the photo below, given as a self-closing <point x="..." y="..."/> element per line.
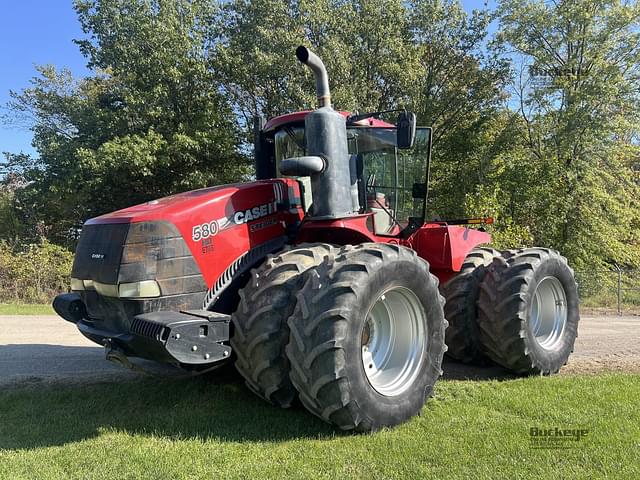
<point x="367" y="337"/>
<point x="529" y="311"/>
<point x="260" y="325"/>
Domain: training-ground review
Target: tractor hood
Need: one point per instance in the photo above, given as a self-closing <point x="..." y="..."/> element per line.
<point x="185" y="242"/>
<point x="176" y="207"/>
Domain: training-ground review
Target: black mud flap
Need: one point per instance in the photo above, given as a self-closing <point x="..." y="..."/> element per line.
<point x="192" y="337"/>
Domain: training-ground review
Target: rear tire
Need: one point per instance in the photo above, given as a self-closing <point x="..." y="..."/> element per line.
<point x="260" y="321"/>
<point x="367" y="337"/>
<point x="461" y="310"/>
<point x="529" y="311"/>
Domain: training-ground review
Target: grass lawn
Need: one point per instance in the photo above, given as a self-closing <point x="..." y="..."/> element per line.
<point x="199" y="429"/>
<point x="25" y="309"/>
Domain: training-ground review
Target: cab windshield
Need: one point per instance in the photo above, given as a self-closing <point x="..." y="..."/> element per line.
<point x="387" y="172"/>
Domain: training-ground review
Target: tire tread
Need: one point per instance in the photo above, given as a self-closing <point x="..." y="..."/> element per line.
<point x="260" y="324"/>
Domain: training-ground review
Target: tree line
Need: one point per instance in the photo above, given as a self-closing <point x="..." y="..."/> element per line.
<point x="534" y="104"/>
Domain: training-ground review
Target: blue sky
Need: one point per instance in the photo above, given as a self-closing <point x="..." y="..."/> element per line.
<point x="34" y="32"/>
<point x="39" y="32"/>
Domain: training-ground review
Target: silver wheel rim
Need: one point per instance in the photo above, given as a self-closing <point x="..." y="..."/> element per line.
<point x="548" y="314"/>
<point x="394" y="341"/>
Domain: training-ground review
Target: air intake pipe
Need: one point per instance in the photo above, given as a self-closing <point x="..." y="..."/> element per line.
<point x="326" y="138"/>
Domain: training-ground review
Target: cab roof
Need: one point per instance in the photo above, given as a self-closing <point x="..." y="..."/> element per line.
<point x="298" y="117"/>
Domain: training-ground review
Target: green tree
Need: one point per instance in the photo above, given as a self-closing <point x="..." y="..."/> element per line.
<point x="427" y="56"/>
<point x="458" y="87"/>
<point x="10" y="225"/>
<point x="363" y="43"/>
<point x="33" y="273"/>
<point x="578" y="98"/>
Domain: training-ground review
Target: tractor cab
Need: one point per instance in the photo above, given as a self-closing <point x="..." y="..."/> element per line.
<point x="390" y="180"/>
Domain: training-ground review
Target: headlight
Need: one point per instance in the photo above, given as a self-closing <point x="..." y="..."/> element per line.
<point x="144" y="289"/>
<point x="105" y="289"/>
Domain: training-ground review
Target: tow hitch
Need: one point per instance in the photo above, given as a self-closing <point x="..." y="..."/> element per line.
<point x="117" y="356"/>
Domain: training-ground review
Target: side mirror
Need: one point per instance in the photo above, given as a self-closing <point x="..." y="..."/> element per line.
<point x="406" y="130"/>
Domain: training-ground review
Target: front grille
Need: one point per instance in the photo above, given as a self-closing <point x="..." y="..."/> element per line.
<point x="114" y="253"/>
<point x="146" y="328"/>
<point x="99" y="251"/>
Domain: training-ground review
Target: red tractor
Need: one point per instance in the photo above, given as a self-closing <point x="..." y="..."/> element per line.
<point x="322" y="279"/>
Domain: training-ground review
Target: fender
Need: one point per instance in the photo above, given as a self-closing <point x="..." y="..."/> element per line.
<point x="445" y="247"/>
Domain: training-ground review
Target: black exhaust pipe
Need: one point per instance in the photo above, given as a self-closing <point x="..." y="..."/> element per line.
<point x="314" y="63"/>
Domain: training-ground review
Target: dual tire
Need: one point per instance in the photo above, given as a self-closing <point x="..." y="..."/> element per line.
<point x="367" y="337"/>
<point x="363" y="346"/>
<point x="528" y="311"/>
<point x="518" y="308"/>
<point x="260" y="325"/>
<point x="461" y="309"/>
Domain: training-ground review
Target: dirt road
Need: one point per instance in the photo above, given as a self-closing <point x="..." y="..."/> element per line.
<point x="606" y="343"/>
<point x="36" y="348"/>
<point x="41" y="348"/>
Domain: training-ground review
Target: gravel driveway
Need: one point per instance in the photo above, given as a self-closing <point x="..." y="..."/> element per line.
<point x="38" y="348"/>
<point x="606" y="343"/>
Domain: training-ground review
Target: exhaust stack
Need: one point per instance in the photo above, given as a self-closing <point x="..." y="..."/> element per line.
<point x="314" y="63"/>
<point x="327" y="160"/>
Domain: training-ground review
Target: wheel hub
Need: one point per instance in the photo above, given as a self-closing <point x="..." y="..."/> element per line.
<point x="548" y="314"/>
<point x="393" y="341"/>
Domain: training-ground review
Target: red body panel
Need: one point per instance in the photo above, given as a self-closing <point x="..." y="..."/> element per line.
<point x="229" y="209"/>
<point x="226" y="210"/>
<point x="445" y="247"/>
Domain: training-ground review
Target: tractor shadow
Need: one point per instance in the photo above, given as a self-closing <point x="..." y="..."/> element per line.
<point x="40" y="412"/>
<point x="454" y="370"/>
